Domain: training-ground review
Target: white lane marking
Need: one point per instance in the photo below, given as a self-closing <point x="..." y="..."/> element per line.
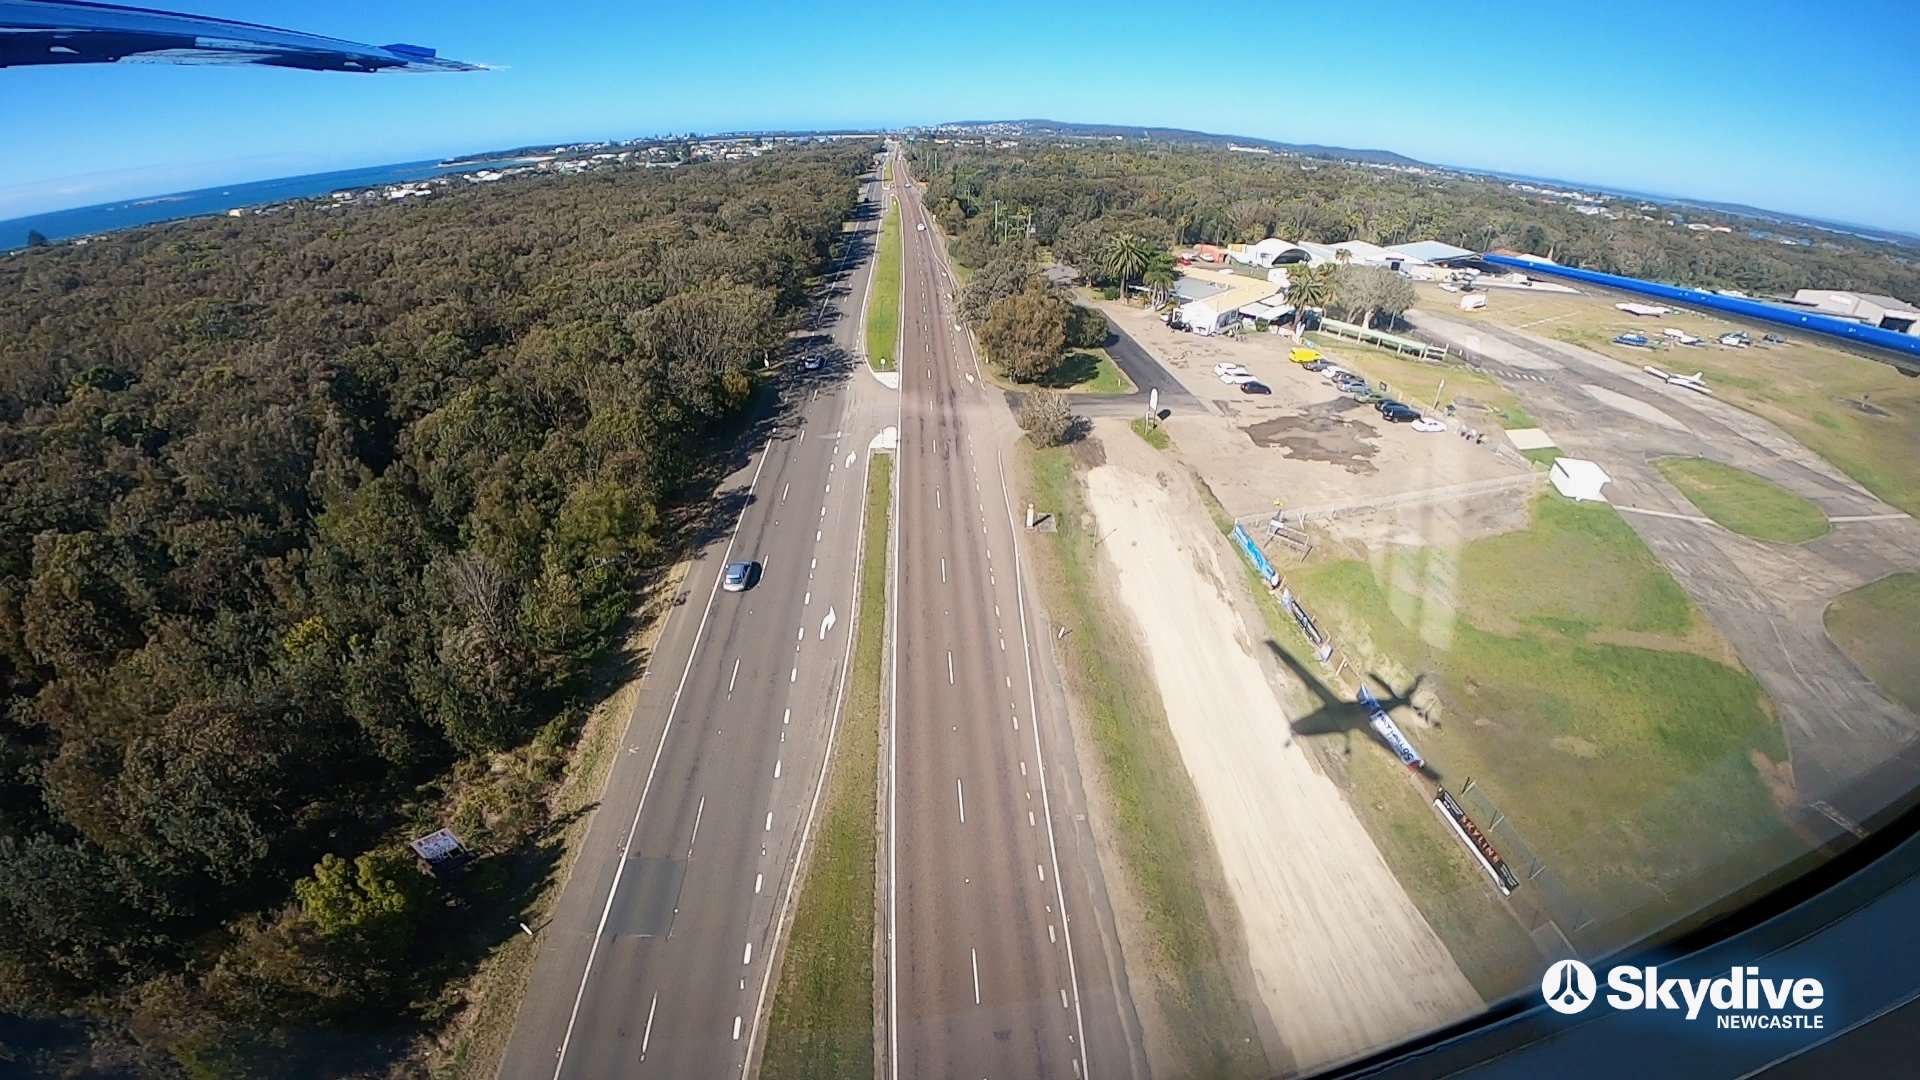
<point x="943" y="571"/>
<point x="1869" y="517"/>
<point x="823" y="512"/>
<point x="736" y="1029"/>
<point x="826" y="624"/>
<point x="1063" y="1004"/>
<point x="802" y="438"/>
<point x="1042" y="867"/>
<point x="785" y="909"/>
<point x="813" y="564"/>
<point x="976" y="976"/>
<point x="1023" y="768"/>
<point x="732" y="677"/>
<point x="802" y="635"/>
<point x="1030" y="821"/>
<point x="756" y="883"/>
<point x="936" y="498"/>
<point x="849" y="459"/>
<point x="769" y="827"/>
<point x="776" y="768"/>
<point x="1051" y="940"/>
<point x="949" y="667"/>
<point x="816" y="536"/>
<point x="829" y="486"/>
<point x="794" y="675"/>
<point x="783" y="491"/>
<point x="1003" y="644"/>
<point x="808" y="601"/>
<point x="647" y="1036"/>
<point x="698" y="810"/>
<point x="747" y="957"/>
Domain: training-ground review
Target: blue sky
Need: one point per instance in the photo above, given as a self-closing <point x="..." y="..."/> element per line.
<point x="1781" y="105"/>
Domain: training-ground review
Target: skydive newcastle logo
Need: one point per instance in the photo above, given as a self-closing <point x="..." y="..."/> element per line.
<point x="1742" y="1000"/>
<point x="1568" y="987"/>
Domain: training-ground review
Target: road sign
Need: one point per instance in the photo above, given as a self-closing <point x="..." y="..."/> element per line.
<point x="1153" y="402"/>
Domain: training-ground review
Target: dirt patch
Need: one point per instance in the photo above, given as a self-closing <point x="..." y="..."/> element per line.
<point x="1088" y="453"/>
<point x="1343" y="960"/>
<point x="1318" y="435"/>
<point x="1577" y="746"/>
<point x="1778" y="779"/>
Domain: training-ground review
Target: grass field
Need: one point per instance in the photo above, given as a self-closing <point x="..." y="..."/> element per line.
<point x="1163" y="847"/>
<point x="1155" y="435"/>
<point x="1589" y="705"/>
<point x="1419" y="383"/>
<point x="1860" y="414"/>
<point x="1085" y="371"/>
<point x="1747" y="504"/>
<point x="1878" y="627"/>
<point x="883" y="306"/>
<point x="822" y="1019"/>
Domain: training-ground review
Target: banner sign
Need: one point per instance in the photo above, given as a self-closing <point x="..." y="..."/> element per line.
<point x="1322" y="647"/>
<point x="438" y="847"/>
<point x="1256" y="556"/>
<point x="1388" y="730"/>
<point x="1477" y="844"/>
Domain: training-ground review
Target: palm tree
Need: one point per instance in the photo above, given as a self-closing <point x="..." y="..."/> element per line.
<point x="1127" y="255"/>
<point x="1308" y="287"/>
<point x="1158" y="277"/>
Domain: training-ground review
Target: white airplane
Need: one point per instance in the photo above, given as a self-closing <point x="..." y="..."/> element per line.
<point x="1697" y="382"/>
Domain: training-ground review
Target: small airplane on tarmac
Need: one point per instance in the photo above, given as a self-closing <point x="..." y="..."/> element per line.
<point x="1696" y="382"/>
<point x="1337" y="715"/>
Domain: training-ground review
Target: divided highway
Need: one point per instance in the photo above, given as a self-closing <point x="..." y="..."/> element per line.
<point x="655" y="962"/>
<point x="986" y="975"/>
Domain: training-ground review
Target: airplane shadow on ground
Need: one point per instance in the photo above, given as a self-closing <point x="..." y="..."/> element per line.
<point x="1337" y="715"/>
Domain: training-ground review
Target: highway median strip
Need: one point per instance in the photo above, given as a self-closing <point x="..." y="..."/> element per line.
<point x="822" y="1019"/>
<point x="883" y="304"/>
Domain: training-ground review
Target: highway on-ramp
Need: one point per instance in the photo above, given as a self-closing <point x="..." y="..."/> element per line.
<point x="986" y="975"/>
<point x="655" y="960"/>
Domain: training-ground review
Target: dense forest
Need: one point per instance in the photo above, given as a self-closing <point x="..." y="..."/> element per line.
<point x="1075" y="196"/>
<point x="306" y="520"/>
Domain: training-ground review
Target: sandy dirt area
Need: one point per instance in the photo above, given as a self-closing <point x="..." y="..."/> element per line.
<point x="1344" y="961"/>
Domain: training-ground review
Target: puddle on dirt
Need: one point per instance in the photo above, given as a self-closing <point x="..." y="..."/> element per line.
<point x="1319" y="435"/>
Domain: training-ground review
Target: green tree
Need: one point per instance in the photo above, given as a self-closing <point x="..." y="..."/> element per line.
<point x="1126" y="256"/>
<point x="1026" y="333"/>
<point x="378" y="898"/>
<point x="1159" y="277"/>
<point x="1309" y="288"/>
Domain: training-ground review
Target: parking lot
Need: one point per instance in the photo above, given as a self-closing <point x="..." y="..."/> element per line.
<point x="1305" y="444"/>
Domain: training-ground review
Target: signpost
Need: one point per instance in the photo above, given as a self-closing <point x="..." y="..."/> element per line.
<point x="439" y="847"/>
<point x="1153" y="405"/>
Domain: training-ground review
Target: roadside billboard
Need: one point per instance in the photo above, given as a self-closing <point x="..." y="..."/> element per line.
<point x="1477" y="843"/>
<point x="1388" y="730"/>
<point x="1256" y="556"/>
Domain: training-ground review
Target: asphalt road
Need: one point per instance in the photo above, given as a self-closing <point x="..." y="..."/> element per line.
<point x="986" y="976"/>
<point x="655" y="960"/>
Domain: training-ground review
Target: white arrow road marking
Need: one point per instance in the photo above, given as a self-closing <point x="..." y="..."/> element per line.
<point x="826" y="624"/>
<point x="849" y="459"/>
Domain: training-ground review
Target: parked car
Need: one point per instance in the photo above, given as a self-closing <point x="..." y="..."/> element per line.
<point x="1428" y="424"/>
<point x="1315" y="365"/>
<point x="1384" y="403"/>
<point x="811" y="363"/>
<point x="1235" y="378"/>
<point x="1304" y="356"/>
<point x="1254" y="386"/>
<point x="1222" y="369"/>
<point x="738" y="577"/>
<point x="1397" y="413"/>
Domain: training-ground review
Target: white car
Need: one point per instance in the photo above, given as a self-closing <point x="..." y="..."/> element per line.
<point x="922" y="226"/>
<point x="1237" y="378"/>
<point x="1427" y="424"/>
<point x="1223" y="369"/>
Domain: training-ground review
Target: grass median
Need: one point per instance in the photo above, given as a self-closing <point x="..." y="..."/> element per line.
<point x="1170" y="867"/>
<point x="822" y="1021"/>
<point x="883" y="306"/>
<point x="1742" y="502"/>
<point x="1878" y="627"/>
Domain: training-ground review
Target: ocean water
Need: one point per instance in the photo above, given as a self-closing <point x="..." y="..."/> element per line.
<point x="106" y="217"/>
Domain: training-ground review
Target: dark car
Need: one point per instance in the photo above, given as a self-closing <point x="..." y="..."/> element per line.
<point x="1254" y="388"/>
<point x="1386" y="403"/>
<point x="1397" y="413"/>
